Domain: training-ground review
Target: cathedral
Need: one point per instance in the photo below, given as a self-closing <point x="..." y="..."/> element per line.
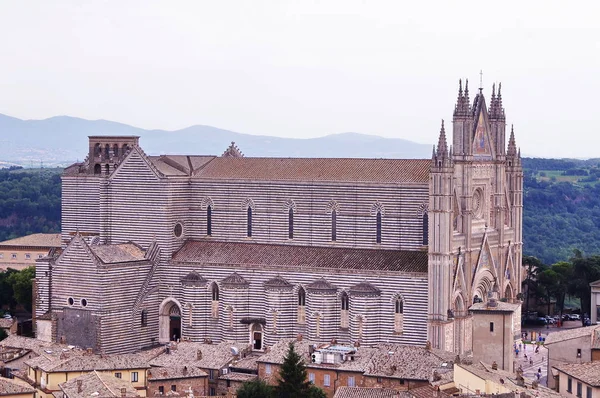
<point x="212" y="248"/>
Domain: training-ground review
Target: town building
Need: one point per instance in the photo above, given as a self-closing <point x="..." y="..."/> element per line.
<point x="20" y="253"/>
<point x="595" y="302"/>
<point x="574" y="346"/>
<point x="15" y="388"/>
<point x="97" y="384"/>
<point x="578" y="379"/>
<point x="364" y="251"/>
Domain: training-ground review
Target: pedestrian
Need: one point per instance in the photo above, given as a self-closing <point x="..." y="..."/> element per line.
<point x="519" y="346"/>
<point x="539" y="374"/>
<point x="531" y="362"/>
<point x="525" y="356"/>
<point x="540" y="370"/>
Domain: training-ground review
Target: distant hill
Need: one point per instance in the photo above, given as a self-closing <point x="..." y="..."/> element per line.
<point x="63" y="139"/>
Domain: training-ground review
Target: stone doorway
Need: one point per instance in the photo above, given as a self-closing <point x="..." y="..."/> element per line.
<point x="256" y="336"/>
<point x="169" y="319"/>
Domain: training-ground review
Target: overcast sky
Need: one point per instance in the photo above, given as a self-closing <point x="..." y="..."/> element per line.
<point x="307" y="68"/>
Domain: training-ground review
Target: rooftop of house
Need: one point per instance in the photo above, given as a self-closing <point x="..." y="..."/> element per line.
<point x="588" y="372"/>
<point x="120" y="253"/>
<point x="30" y="344"/>
<point x="76" y="361"/>
<point x="43" y="241"/>
<point x="408" y="362"/>
<point x="427" y="392"/>
<point x="247" y="363"/>
<point x="569" y="334"/>
<point x="101" y="385"/>
<point x="503" y="377"/>
<point x="200" y="355"/>
<point x="14" y="386"/>
<point x="6" y="323"/>
<point x="369" y="392"/>
<point x="247" y="254"/>
<point x="177" y="372"/>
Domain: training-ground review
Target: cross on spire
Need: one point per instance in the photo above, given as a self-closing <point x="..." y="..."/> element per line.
<point x="481" y="80"/>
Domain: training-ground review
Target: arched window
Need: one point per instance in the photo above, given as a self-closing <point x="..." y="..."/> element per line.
<point x="333" y="225"/>
<point x="249" y="222"/>
<point x="209" y="220"/>
<point x="97" y="150"/>
<point x="301" y="306"/>
<point x="116" y="150"/>
<point x="106" y="150"/>
<point x="345" y="305"/>
<point x="107" y="169"/>
<point x="215" y="300"/>
<point x="97" y="169"/>
<point x="291" y="223"/>
<point x="378" y="221"/>
<point x="144" y="318"/>
<point x="398" y="315"/>
<point x="425" y="229"/>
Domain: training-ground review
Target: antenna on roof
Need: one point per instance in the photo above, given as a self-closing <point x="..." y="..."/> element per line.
<point x="480" y="80"/>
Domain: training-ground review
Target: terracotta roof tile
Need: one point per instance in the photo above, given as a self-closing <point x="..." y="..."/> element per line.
<point x="236" y="376"/>
<point x="369" y="392"/>
<point x="588" y="372"/>
<point x="121" y="253"/>
<point x="14" y="386"/>
<point x="571" y="334"/>
<point x="232" y="253"/>
<point x="318" y="169"/>
<point x="203" y="356"/>
<point x="177" y="372"/>
<point x="35" y="240"/>
<point x="99" y="385"/>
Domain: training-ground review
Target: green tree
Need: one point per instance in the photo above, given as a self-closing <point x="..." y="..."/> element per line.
<point x="255" y="389"/>
<point x="533" y="267"/>
<point x="585" y="271"/>
<point x="22" y="285"/>
<point x="292" y="381"/>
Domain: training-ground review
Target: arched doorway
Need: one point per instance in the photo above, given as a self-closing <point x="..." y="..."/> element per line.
<point x="169" y="321"/>
<point x="256" y="336"/>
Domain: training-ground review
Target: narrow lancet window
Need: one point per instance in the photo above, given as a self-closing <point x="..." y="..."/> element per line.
<point x="301" y="306"/>
<point x="378" y="237"/>
<point x="398" y="315"/>
<point x="215" y="301"/>
<point x="291" y="224"/>
<point x="425" y="229"/>
<point x="209" y="220"/>
<point x="249" y="223"/>
<point x="345" y="304"/>
<point x="334" y="226"/>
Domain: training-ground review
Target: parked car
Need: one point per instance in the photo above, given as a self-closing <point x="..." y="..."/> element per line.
<point x="550" y="320"/>
<point x="575" y="317"/>
<point x="566" y="317"/>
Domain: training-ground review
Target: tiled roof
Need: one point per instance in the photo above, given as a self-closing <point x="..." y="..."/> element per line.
<point x="279" y="350"/>
<point x="247" y="363"/>
<point x="178" y="372"/>
<point x="570" y="334"/>
<point x="14" y="386"/>
<point x="406" y="362"/>
<point x="212" y="356"/>
<point x="193" y="279"/>
<point x="508" y="379"/>
<point x="318" y="169"/>
<point x="427" y="392"/>
<point x="364" y="289"/>
<point x="232" y="253"/>
<point x="121" y="253"/>
<point x="96" y="384"/>
<point x="179" y="165"/>
<point x="82" y="361"/>
<point x="35" y="240"/>
<point x="278" y="283"/>
<point x="321" y="284"/>
<point x="35" y="345"/>
<point x="369" y="392"/>
<point x="234" y="280"/>
<point x="587" y="372"/>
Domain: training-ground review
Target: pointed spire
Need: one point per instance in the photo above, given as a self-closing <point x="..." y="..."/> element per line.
<point x="494" y="90"/>
<point x="467" y="90"/>
<point x="442" y="147"/>
<point x="512" y="145"/>
<point x="500" y="98"/>
<point x="460" y="92"/>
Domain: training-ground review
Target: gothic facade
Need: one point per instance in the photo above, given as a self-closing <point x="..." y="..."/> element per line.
<point x="362" y="251"/>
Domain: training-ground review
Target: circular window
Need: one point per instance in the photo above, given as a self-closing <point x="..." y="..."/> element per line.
<point x="178" y="230"/>
<point x="84" y="302"/>
<point x="71" y="301"/>
<point x="477" y="203"/>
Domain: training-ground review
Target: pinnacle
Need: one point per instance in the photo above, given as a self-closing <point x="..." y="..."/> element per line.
<point x="442" y="147"/>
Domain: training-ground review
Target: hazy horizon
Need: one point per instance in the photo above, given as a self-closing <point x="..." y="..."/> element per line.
<point x="307" y="69"/>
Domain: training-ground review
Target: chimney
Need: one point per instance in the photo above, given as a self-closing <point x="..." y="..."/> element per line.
<point x="185" y="369"/>
<point x="89" y="351"/>
<point x="436" y="391"/>
<point x="495" y="365"/>
<point x="199" y="355"/>
<point x="428" y="345"/>
<point x="299" y="337"/>
<point x="79" y="386"/>
<point x="123" y="392"/>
